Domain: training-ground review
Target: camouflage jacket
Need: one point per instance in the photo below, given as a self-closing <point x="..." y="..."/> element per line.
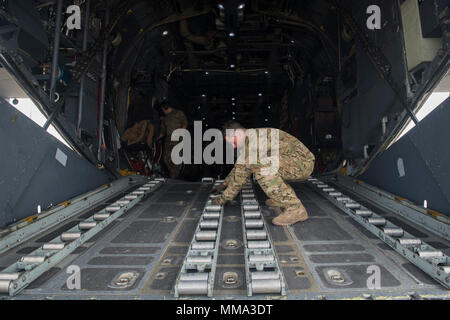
<point x="174" y="120"/>
<point x="291" y="152"/>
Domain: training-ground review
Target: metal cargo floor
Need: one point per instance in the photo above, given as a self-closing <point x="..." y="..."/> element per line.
<point x="153" y="237"/>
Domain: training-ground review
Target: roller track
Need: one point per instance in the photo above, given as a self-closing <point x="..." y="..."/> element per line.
<point x="262" y="270"/>
<point x="22" y="273"/>
<point x="430" y="260"/>
<point x="199" y="267"/>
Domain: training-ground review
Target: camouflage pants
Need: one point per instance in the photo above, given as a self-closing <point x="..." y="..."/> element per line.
<point x="141" y="131"/>
<point x="275" y="186"/>
<point x="174" y="170"/>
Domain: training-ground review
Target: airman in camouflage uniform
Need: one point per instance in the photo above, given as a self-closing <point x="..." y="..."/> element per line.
<point x="296" y="162"/>
<point x="174" y="119"/>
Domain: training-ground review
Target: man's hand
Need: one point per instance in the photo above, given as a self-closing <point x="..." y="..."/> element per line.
<point x="218" y="201"/>
<point x="218" y="189"/>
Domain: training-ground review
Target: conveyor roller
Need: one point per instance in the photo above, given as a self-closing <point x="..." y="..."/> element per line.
<point x="205" y="235"/>
<point x="192" y="287"/>
<point x="87" y="225"/>
<point x="101" y="216"/>
<point x="393" y="232"/>
<point x="266" y="286"/>
<point x="258" y="244"/>
<point x="209" y="224"/>
<point x="70" y="236"/>
<point x="254" y="223"/>
<point x="203" y="245"/>
<point x="256" y="235"/>
<point x="252" y="214"/>
<point x="377" y="221"/>
<point x="53" y="246"/>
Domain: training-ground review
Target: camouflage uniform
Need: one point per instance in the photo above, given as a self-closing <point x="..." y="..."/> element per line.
<point x="174" y="120"/>
<point x="141" y="131"/>
<point x="296" y="162"/>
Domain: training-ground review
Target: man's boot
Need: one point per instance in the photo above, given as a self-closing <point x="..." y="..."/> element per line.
<point x="291" y="216"/>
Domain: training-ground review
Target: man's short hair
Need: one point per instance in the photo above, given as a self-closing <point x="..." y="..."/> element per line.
<point x="232" y="125"/>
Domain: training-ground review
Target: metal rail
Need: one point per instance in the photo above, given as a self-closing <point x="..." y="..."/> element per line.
<point x="22" y="273"/>
<point x="22" y="231"/>
<point x="430" y="260"/>
<point x="198" y="271"/>
<point x="438" y="224"/>
<point x="83" y="77"/>
<point x="55" y="59"/>
<point x="262" y="270"/>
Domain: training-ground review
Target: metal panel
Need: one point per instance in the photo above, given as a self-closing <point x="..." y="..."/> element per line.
<point x="31" y="175"/>
<point x="197" y="274"/>
<point x="430" y="260"/>
<point x="425" y="155"/>
<point x="17" y="233"/>
<point x="35" y="264"/>
<point x="362" y="114"/>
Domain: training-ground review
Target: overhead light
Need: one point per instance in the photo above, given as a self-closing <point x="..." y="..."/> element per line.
<point x="203" y="95"/>
<point x="206" y="72"/>
<point x="231" y="34"/>
<point x="266" y="72"/>
<point x="232" y="66"/>
<point x="259" y="94"/>
<point x="268" y="107"/>
<point x="203" y="119"/>
<point x="266" y="120"/>
<point x="198" y="107"/>
<point x="241" y="6"/>
<point x="292" y="41"/>
<point x="165" y="33"/>
<point x="233" y="104"/>
<point x="233" y="99"/>
<point x="221" y="7"/>
<point x="233" y="118"/>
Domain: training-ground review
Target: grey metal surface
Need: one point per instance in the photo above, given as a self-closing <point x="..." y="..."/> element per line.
<point x="83" y="78"/>
<point x="431" y="220"/>
<point x="424" y="256"/>
<point x="32" y="266"/>
<point x="304" y="262"/>
<point x="197" y="274"/>
<point x="425" y="157"/>
<point x="362" y="125"/>
<point x="31" y="175"/>
<point x="100" y="148"/>
<point x="262" y="270"/>
<point x="20" y="232"/>
<point x="55" y="63"/>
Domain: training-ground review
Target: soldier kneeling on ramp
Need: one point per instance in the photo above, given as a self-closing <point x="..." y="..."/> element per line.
<point x="295" y="162"/>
